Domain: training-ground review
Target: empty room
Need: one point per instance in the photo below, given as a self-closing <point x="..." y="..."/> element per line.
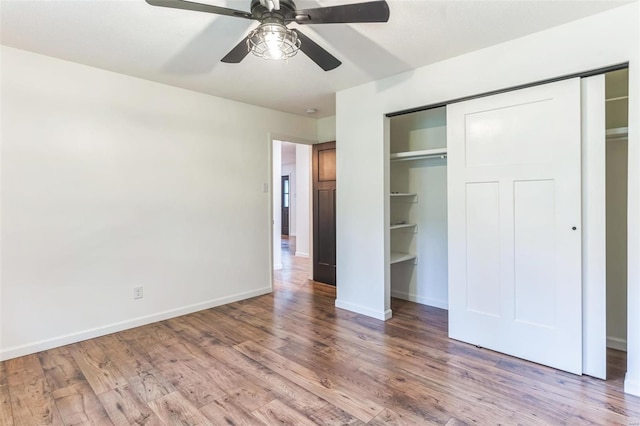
<point x="319" y="212"/>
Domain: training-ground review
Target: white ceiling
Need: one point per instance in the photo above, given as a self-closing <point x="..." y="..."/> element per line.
<point x="183" y="48"/>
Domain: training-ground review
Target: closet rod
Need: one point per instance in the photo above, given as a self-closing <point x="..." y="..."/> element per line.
<point x="420" y="157"/>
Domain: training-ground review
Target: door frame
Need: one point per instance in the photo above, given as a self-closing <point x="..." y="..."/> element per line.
<point x="594" y="279"/>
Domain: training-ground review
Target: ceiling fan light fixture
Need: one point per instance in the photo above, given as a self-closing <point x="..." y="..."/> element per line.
<point x="273" y="41"/>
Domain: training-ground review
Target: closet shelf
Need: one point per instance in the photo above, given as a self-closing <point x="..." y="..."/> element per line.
<point x="419" y="155"/>
<point x="397" y="257"/>
<point x="403" y="225"/>
<point x="403" y="194"/>
<point x="618" y="133"/>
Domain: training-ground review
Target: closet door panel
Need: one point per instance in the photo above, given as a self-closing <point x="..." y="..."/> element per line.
<point x="514" y="223"/>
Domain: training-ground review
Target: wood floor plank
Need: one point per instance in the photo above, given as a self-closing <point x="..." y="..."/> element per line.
<point x="31" y="399"/>
<point x="60" y="369"/>
<point x="6" y="412"/>
<point x="229" y="327"/>
<point x="157" y="332"/>
<point x="276" y="412"/>
<point x="143" y="378"/>
<point x="102" y="374"/>
<point x="184" y="373"/>
<point x="224" y="412"/>
<point x="276" y="385"/>
<point x="389" y="417"/>
<point x="78" y="405"/>
<point x="125" y="407"/>
<point x="330" y="415"/>
<point x="357" y="405"/>
<point x="175" y="409"/>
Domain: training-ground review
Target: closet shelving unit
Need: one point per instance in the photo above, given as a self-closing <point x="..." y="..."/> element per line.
<point x="417" y="206"/>
<point x="416" y="137"/>
<point x="402" y="226"/>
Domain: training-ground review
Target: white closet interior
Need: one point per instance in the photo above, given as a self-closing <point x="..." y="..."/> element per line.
<point x="617" y="116"/>
<point x="418" y="207"/>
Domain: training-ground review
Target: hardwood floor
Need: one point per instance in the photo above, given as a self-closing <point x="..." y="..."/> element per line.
<point x="292" y="358"/>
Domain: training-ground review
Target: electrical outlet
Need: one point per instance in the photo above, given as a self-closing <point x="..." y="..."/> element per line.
<point x="137" y="292"/>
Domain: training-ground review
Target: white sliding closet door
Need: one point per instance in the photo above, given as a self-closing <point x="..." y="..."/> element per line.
<point x="514" y="194"/>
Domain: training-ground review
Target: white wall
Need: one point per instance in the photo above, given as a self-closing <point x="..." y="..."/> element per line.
<point x="111" y="182"/>
<point x="327" y="129"/>
<point x="362" y="131"/>
<point x="290" y="170"/>
<point x="303" y="198"/>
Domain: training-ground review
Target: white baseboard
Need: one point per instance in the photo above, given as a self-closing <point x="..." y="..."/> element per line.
<point x="277" y="267"/>
<point x="301" y="254"/>
<point x="67" y="339"/>
<point x="381" y="315"/>
<point x="617" y="343"/>
<point x="632" y="385"/>
<point x="442" y="304"/>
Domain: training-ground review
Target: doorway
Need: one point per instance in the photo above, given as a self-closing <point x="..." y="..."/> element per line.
<point x="291" y="164"/>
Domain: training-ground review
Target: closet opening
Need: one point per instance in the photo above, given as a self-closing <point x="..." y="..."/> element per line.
<point x="617" y="119"/>
<point x="418" y="207"/>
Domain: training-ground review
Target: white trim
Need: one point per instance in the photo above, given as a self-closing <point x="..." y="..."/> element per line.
<point x="436" y="303"/>
<point x="301" y="254"/>
<point x="381" y="315"/>
<point x="631" y="385"/>
<point x="277" y="267"/>
<point x="67" y="339"/>
<point x="617" y="343"/>
<point x="594" y="235"/>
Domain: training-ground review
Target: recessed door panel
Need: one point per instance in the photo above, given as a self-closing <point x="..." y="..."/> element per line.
<point x="535" y="252"/>
<point x="483" y="248"/>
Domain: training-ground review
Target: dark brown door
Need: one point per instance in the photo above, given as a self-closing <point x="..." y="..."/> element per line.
<point x="324" y="213"/>
<point x="285" y="205"/>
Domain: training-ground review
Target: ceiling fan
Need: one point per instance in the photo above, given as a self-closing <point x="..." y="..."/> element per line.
<point x="273" y="40"/>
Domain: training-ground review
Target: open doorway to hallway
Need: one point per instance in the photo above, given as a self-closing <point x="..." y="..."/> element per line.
<point x="292" y="207"/>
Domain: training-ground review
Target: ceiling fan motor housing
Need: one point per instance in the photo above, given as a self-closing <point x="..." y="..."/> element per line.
<point x="285" y="14"/>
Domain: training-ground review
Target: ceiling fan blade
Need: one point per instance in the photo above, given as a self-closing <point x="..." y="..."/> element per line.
<point x="238" y="53"/>
<point x="372" y="11"/>
<point x="199" y="7"/>
<point x="317" y="54"/>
